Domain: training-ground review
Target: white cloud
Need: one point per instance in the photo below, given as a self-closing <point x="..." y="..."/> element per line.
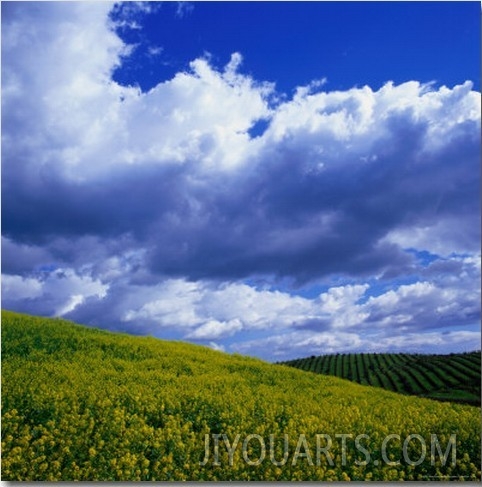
<point x="219" y="309"/>
<point x="438" y="237"/>
<point x="155" y="51"/>
<point x="205" y="310"/>
<point x="215" y="329"/>
<point x="302" y="344"/>
<point x="344" y="318"/>
<point x="257" y="308"/>
<point x="72" y="303"/>
<point x="175" y="306"/>
<point x="217" y="346"/>
<point x="59" y="77"/>
<point x="184" y="8"/>
<point x="339" y="297"/>
<point x="20" y="288"/>
<point x="182" y="120"/>
<point x="420" y="341"/>
<point x="90" y="118"/>
<point x="56" y="292"/>
<point x="355" y="120"/>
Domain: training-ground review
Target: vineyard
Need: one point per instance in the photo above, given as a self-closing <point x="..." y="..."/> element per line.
<point x="84" y="404"/>
<point x="454" y="377"/>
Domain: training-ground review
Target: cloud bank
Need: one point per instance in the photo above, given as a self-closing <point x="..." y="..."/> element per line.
<point x="167" y="212"/>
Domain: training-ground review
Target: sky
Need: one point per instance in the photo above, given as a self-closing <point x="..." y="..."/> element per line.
<point x="276" y="179"/>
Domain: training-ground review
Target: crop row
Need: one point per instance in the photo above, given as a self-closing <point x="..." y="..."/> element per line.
<point x="453" y="377"/>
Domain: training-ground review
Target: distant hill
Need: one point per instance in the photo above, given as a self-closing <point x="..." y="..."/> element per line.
<point x="455" y="377"/>
<point x="84" y="404"/>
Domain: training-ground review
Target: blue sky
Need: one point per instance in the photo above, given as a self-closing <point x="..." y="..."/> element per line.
<point x="291" y="44"/>
<point x="278" y="179"/>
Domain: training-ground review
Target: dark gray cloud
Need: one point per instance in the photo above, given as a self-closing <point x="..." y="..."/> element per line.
<point x="278" y="218"/>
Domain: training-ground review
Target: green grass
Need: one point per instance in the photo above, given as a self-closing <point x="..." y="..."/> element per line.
<point x="453" y="377"/>
<point x="84" y="404"/>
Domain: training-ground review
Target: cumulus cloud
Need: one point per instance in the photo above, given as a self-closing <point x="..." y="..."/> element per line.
<point x="208" y="310"/>
<point x="214" y="329"/>
<point x="342" y="318"/>
<point x="56" y="293"/>
<point x="297" y="344"/>
<point x="153" y="210"/>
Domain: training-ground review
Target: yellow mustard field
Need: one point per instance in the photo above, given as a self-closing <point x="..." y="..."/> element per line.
<point x="85" y="404"/>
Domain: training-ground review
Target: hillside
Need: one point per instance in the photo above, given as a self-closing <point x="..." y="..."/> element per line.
<point x="454" y="377"/>
<point x="84" y="404"/>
